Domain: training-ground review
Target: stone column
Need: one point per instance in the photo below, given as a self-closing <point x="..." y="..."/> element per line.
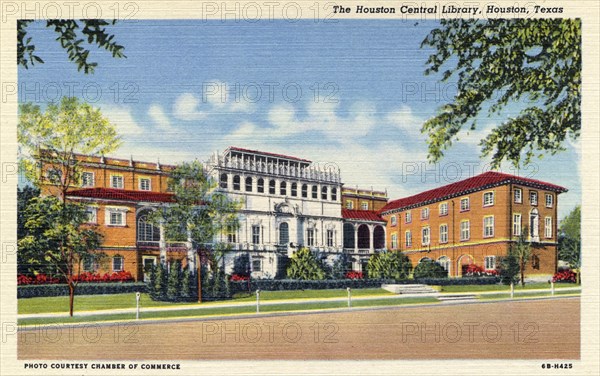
<point x="191" y="257"/>
<point x="355" y="239"/>
<point x="371" y="240"/>
<point x="162" y="244"/>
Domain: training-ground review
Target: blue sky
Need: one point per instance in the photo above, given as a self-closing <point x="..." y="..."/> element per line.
<point x="350" y="92"/>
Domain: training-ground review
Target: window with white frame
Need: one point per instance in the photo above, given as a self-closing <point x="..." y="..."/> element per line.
<point x="548" y="227"/>
<point x="444" y="233"/>
<point x="488" y="199"/>
<point x="349" y="204"/>
<point x="116" y="181"/>
<point x="248" y="184"/>
<point x="394" y="241"/>
<point x="283" y="188"/>
<point x="533" y="198"/>
<point x="425" y="235"/>
<point x="315" y="192"/>
<point x="260" y="185"/>
<point x="516" y="224"/>
<point x="364" y="205"/>
<point x="408" y="239"/>
<point x="91" y="214"/>
<point x="256" y="264"/>
<point x="255" y="234"/>
<point x="145" y="184"/>
<point x="87" y="179"/>
<point x="223" y="181"/>
<point x="443" y="209"/>
<point x="489" y="262"/>
<point x="294" y="190"/>
<point x="305" y="191"/>
<point x="310" y="237"/>
<point x="333" y="194"/>
<point x="117" y="263"/>
<point x="464" y="204"/>
<point x="115" y="216"/>
<point x="330" y="242"/>
<point x="408" y="217"/>
<point x="231" y="234"/>
<point x="272" y="187"/>
<point x="425" y="213"/>
<point x="518" y="195"/>
<point x="324" y="193"/>
<point x="393" y="220"/>
<point x="465" y="230"/>
<point x="488" y="226"/>
<point x="237" y="183"/>
<point x="549" y="200"/>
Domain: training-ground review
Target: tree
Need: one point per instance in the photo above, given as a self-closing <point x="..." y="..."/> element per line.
<point x="503" y="62"/>
<point x="49" y="143"/>
<point x="509" y="269"/>
<point x="339" y="266"/>
<point x="521" y="250"/>
<point x="70" y="39"/>
<point x="304" y="265"/>
<point x="389" y="265"/>
<point x="199" y="213"/>
<point x="56" y="232"/>
<point x="26" y="264"/>
<point x="569" y="239"/>
<point x="429" y="269"/>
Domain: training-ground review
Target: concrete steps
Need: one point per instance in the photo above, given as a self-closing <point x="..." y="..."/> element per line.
<point x="409" y="289"/>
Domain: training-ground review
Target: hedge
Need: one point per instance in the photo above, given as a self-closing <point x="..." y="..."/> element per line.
<point x="34" y="291"/>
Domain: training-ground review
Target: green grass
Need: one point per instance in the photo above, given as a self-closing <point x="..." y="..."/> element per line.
<point x="522" y="295"/>
<point x="308" y="294"/>
<point x="528" y="286"/>
<point x="227" y="311"/>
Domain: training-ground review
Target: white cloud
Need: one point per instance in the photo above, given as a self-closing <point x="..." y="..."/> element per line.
<point x="405" y="119"/>
<point x="159" y="117"/>
<point x="123" y="119"/>
<point x="186" y="107"/>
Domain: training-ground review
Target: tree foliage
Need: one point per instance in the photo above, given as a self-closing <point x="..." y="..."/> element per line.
<point x="521" y="250"/>
<point x="429" y="269"/>
<point x="71" y="34"/>
<point x="569" y="238"/>
<point x="389" y="265"/>
<point x="305" y="265"/>
<point x="500" y="63"/>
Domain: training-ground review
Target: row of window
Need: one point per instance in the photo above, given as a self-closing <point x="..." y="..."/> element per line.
<point x="325" y="193"/>
<point x="533" y="225"/>
<point x="117" y="262"/>
<point x="113" y="216"/>
<point x="284" y="235"/>
<point x="363" y="205"/>
<point x="533" y="197"/>
<point x="116" y="181"/>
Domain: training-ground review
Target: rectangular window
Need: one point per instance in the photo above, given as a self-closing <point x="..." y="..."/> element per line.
<point x="516" y="224"/>
<point x="464" y="204"/>
<point x="310" y="237"/>
<point x="393" y="221"/>
<point x="117" y="264"/>
<point x="272" y="187"/>
<point x="443" y="233"/>
<point x="425" y="213"/>
<point x="116" y="181"/>
<point x="255" y="234"/>
<point x="364" y="205"/>
<point x="294" y="190"/>
<point x="145" y="184"/>
<point x="333" y="194"/>
<point x="488" y="227"/>
<point x="349" y="205"/>
<point x="260" y="186"/>
<point x="256" y="264"/>
<point x="231" y="234"/>
<point x="533" y="198"/>
<point x="488" y="199"/>
<point x="116" y="218"/>
<point x="305" y="191"/>
<point x="489" y="262"/>
<point x="425" y="235"/>
<point x="408" y="217"/>
<point x="549" y="200"/>
<point x="518" y="193"/>
<point x="465" y="230"/>
<point x="91" y="215"/>
<point x="315" y="192"/>
<point x="548" y="227"/>
<point x="394" y="241"/>
<point x="323" y="193"/>
<point x="444" y="209"/>
<point x="408" y="239"/>
<point x="87" y="179"/>
<point x="330" y="238"/>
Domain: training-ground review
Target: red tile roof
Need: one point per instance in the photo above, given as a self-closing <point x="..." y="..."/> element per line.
<point x="234" y="148"/>
<point x="479" y="182"/>
<point x="362" y="215"/>
<point x="122" y="195"/>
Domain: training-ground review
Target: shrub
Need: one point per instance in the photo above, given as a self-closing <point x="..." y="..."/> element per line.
<point x="565" y="276"/>
<point x="34" y="291"/>
<point x="338" y="268"/>
<point x="389" y="265"/>
<point x="429" y="269"/>
<point x="509" y="269"/>
<point x="241" y="265"/>
<point x="304" y="265"/>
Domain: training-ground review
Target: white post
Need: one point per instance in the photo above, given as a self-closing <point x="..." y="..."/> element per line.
<point x="512" y="290"/>
<point x="552" y="287"/>
<point x="258" y="301"/>
<point x="349" y="297"/>
<point x="137" y="303"/>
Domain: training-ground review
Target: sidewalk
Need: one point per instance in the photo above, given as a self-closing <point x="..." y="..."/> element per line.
<point x="211" y="305"/>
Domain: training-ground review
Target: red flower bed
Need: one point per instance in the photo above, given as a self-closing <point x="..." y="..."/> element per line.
<point x="565" y="276"/>
<point x="42" y="279"/>
<point x="477" y="271"/>
<point x="238" y="277"/>
<point x="354" y="275"/>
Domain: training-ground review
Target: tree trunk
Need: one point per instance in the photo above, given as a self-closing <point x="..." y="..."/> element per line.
<point x="522" y="272"/>
<point x="199" y="276"/>
<point x="71" y="297"/>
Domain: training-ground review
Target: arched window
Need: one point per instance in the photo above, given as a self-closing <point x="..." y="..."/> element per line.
<point x="283" y="188"/>
<point x="272" y="187"/>
<point x="236" y="183"/>
<point x="248" y="184"/>
<point x="223" y="181"/>
<point x="304" y="190"/>
<point x="284" y="234"/>
<point x="333" y="194"/>
<point x="295" y="189"/>
<point x="315" y="191"/>
<point x="323" y="193"/>
<point x="260" y="186"/>
<point x="145" y="229"/>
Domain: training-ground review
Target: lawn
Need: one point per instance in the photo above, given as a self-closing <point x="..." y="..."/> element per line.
<point x="118" y="301"/>
<point x="528" y="286"/>
<point x="523" y="295"/>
